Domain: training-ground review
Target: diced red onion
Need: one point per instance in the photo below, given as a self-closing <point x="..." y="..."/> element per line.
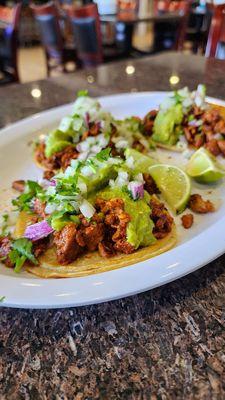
<point x="38" y="231"/>
<point x="136" y="189"/>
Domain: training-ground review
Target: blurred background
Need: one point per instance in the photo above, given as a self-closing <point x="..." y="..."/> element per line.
<point x="40" y="38"/>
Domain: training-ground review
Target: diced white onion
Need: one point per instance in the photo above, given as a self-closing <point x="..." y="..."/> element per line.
<point x="130" y="162"/>
<point x="83" y="156"/>
<point x="65" y="124"/>
<point x="77" y="123"/>
<point x="69" y="172"/>
<point x="187" y="102"/>
<point x="83" y="146"/>
<point x="122" y="179"/>
<point x="51" y="190"/>
<point x="114" y="160"/>
<point x="96" y="149"/>
<point x="86" y="171"/>
<point x="121" y="144"/>
<point x="87" y="209"/>
<point x="112" y="183"/>
<point x="74" y="164"/>
<point x="102" y="140"/>
<point x="50" y="208"/>
<point x="195" y="122"/>
<point x="82" y="186"/>
<point x="139" y="178"/>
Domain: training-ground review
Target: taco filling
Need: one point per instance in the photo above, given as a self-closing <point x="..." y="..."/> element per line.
<point x="185" y="119"/>
<point x="100" y="208"/>
<point x="88" y="130"/>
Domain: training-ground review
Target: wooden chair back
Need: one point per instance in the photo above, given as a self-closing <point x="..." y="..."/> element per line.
<point x="47" y="17"/>
<point x="216" y="30"/>
<point x="11" y="17"/>
<point x="87" y="34"/>
<point x="182" y="7"/>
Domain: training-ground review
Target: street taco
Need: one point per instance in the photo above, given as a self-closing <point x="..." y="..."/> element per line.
<point x="97" y="215"/>
<point x="185" y="120"/>
<point x="85" y="132"/>
<point x="92" y="262"/>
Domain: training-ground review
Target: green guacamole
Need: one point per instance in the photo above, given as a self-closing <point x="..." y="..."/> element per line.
<point x="100" y="179"/>
<point x="166" y="127"/>
<point x="57" y="141"/>
<point x="139" y="229"/>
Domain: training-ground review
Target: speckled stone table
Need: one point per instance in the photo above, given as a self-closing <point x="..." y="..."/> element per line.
<point x="168" y="343"/>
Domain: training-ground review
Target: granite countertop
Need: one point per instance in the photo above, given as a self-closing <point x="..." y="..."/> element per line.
<point x="168" y="343"/>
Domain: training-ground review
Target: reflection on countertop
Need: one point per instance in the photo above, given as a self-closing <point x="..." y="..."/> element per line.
<point x="165" y="71"/>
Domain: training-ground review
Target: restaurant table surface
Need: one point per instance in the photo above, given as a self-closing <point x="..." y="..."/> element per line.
<point x="167" y="343"/>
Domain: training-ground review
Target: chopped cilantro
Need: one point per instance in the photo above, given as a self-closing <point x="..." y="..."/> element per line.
<point x="4" y="230"/>
<point x="152" y="144"/>
<point x="177" y="97"/>
<point x="21" y="251"/>
<point x="104" y="154"/>
<point x="82" y="93"/>
<point x="91" y="164"/>
<point x="191" y="117"/>
<point x="32" y="190"/>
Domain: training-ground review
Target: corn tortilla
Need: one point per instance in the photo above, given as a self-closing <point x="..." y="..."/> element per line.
<point x="90" y="263"/>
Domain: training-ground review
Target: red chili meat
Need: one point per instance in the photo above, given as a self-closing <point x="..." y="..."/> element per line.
<point x="200" y="206"/>
<point x="5" y="247"/>
<point x="161" y="218"/>
<point x="187" y="220"/>
<point x="67" y="248"/>
<point x="19" y="185"/>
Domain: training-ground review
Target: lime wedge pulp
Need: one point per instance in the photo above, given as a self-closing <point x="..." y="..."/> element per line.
<point x="204" y="167"/>
<point x="173" y="183"/>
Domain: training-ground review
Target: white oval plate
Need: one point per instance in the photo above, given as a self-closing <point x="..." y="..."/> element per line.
<point x="196" y="247"/>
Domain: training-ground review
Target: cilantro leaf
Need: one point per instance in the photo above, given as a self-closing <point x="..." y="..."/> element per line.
<point x="32" y="190"/>
<point x="91" y="164"/>
<point x="191" y="117"/>
<point x="82" y="93"/>
<point x="177" y="97"/>
<point x="2" y="299"/>
<point x="21" y="251"/>
<point x="4" y="231"/>
<point x="103" y="155"/>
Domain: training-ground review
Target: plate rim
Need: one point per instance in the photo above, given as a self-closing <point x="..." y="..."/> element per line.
<point x="73" y="297"/>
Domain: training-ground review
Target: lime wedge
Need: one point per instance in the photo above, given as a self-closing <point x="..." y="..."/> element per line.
<point x="204" y="167"/>
<point x="173" y="183"/>
<point x="141" y="162"/>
